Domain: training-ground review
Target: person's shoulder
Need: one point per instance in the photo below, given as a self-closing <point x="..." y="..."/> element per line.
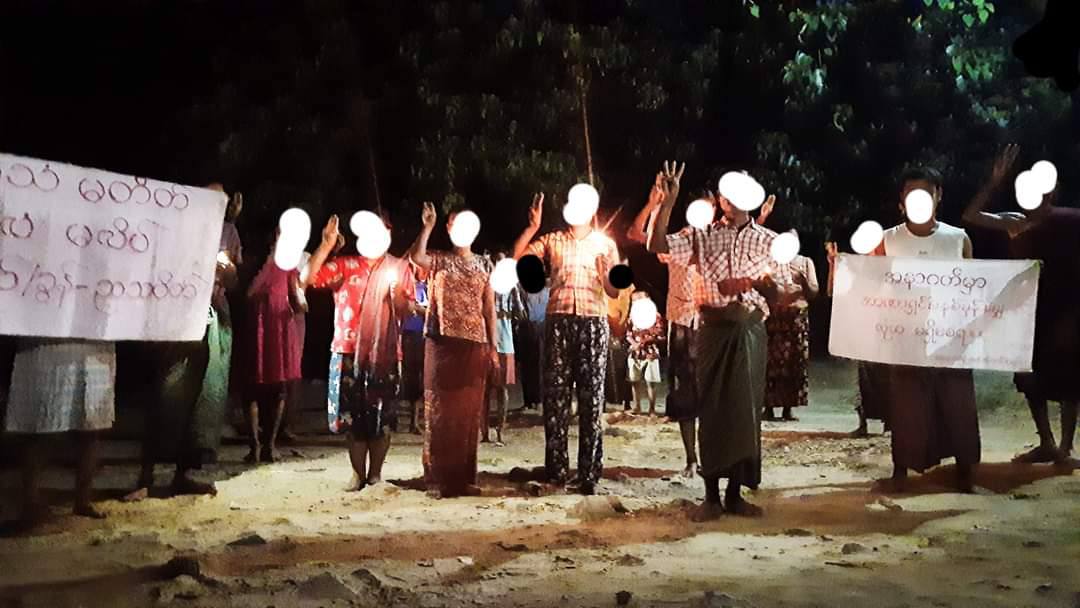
<point x="950" y="229"/>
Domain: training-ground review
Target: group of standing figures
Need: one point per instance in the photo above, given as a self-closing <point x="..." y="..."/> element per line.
<point x="737" y="340"/>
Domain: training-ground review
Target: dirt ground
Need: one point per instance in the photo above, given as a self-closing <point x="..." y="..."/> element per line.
<point x="288" y="534"/>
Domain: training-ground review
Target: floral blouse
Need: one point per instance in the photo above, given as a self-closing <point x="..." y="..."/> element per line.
<point x="456" y="288"/>
<point x="645" y="343"/>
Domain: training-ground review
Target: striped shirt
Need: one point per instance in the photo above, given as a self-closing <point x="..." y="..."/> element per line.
<point x="576" y="288"/>
<point x="723" y="252"/>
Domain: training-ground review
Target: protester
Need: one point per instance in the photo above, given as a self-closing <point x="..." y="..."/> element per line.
<point x="460" y="340"/>
<point x="681" y="404"/>
<point x="508" y="306"/>
<point x="184" y="426"/>
<point x="275" y="351"/>
<point x="1049" y="234"/>
<point x="578" y="260"/>
<point x="643" y="354"/>
<point x="733" y="298"/>
<point x="530" y="355"/>
<point x="60" y="386"/>
<point x="412" y="350"/>
<point x="371" y="300"/>
<point x="617" y="388"/>
<point x="932" y="410"/>
<point x="872" y="393"/>
<point x="788" y="375"/>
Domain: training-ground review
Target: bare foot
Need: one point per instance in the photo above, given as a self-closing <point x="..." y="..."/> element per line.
<point x="88" y="511"/>
<point x="1041" y="454"/>
<point x="473" y="490"/>
<point x="139" y="494"/>
<point x="860" y="433"/>
<point x="269" y="454"/>
<point x="743" y="508"/>
<point x="186" y="486"/>
<point x="707" y="511"/>
<point x="373" y="481"/>
<point x="253" y="455"/>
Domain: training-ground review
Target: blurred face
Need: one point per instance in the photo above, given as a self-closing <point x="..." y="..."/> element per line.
<point x="920" y="184"/>
<point x="236" y="205"/>
<point x="450" y="222"/>
<point x="730" y="212"/>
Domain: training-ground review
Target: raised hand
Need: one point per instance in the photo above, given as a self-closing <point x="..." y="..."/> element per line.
<point x="1004" y="163"/>
<point x="656" y="194"/>
<point x="330" y="233"/>
<point x="428" y="216"/>
<point x="673" y="173"/>
<point x="767" y="208"/>
<point x="536" y="211"/>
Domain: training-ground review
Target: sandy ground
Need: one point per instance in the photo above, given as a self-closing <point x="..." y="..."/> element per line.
<point x="288" y="535"/>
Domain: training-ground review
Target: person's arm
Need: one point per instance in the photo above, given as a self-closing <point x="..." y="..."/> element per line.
<point x="810" y="287"/>
<point x="536" y="212"/>
<point x="604" y="264"/>
<point x="766" y="210"/>
<point x="491" y="323"/>
<point x="968" y="249"/>
<point x="976" y="215"/>
<point x="418" y="252"/>
<point x="330" y="236"/>
<point x="636" y="232"/>
<point x="658" y="231"/>
<point x="830" y="257"/>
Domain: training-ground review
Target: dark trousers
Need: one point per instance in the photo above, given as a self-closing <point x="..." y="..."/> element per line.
<point x="576" y="350"/>
<point x="529" y="353"/>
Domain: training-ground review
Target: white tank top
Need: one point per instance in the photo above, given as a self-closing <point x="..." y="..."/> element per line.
<point x="947" y="242"/>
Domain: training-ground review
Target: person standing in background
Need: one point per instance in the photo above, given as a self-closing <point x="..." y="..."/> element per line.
<point x="788" y="373"/>
<point x="508" y="307"/>
<point x="530" y="356"/>
<point x="274" y="351"/>
<point x="644" y="358"/>
<point x="617" y="389"/>
<point x="412" y="356"/>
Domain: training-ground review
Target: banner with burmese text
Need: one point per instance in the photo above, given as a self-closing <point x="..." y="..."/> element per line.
<point x="102" y="256"/>
<point x="966" y="314"/>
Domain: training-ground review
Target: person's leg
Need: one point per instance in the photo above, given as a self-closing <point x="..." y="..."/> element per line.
<point x="688" y="430"/>
<point x="557" y="398"/>
<point x="591" y="339"/>
<point x="734" y="503"/>
<point x="279" y="415"/>
<point x="253" y="429"/>
<point x="377" y="449"/>
<point x="713" y="507"/>
<point x="1068" y="427"/>
<point x="1047" y="450"/>
<point x="33" y="509"/>
<point x="504" y="398"/>
<point x="650" y="391"/>
<point x="635" y="389"/>
<point x="485" y="419"/>
<point x="358" y="454"/>
<point x="87" y="444"/>
<point x="788" y="416"/>
<point x="414" y="419"/>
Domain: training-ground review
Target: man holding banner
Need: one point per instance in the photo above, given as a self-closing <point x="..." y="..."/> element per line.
<point x="932" y="410"/>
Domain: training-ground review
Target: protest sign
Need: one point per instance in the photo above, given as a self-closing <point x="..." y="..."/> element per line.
<point x="966" y="314"/>
<point x="102" y="256"/>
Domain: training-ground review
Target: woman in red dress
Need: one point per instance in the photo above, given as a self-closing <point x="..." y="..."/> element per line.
<point x="275" y="349"/>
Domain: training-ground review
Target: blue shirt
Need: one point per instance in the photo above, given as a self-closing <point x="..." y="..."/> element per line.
<point x="537" y="304"/>
<point x="416" y="322"/>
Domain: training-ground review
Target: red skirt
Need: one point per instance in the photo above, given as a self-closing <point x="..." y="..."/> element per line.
<point x="454" y="374"/>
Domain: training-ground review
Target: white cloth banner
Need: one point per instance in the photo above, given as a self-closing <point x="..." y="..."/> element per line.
<point x="967" y="314"/>
<point x="102" y="256"/>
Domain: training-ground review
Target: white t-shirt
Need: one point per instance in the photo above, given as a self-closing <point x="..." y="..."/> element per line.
<point x="947" y="242"/>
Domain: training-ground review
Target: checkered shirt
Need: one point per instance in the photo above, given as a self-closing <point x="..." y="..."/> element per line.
<point x="724" y="252"/>
<point x="576" y="288"/>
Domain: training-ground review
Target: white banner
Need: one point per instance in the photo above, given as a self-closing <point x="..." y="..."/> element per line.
<point x="967" y="314"/>
<point x="97" y="255"/>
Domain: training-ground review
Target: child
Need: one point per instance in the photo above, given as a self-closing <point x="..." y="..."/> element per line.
<point x="644" y="359"/>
